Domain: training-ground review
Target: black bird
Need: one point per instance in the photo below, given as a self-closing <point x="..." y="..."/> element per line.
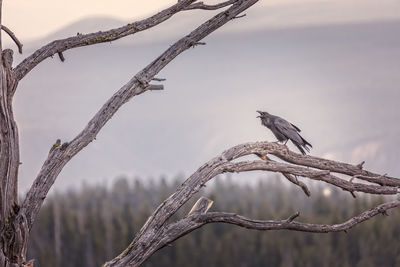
<point x="284" y="130"/>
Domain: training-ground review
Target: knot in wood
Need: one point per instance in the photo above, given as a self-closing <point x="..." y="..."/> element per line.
<point x="7" y="58"/>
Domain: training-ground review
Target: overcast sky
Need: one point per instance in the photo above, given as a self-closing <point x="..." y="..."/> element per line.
<point x="35" y="19"/>
<point x="330" y="67"/>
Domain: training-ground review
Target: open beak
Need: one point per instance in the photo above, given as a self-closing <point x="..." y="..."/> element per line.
<point x="260" y="114"/>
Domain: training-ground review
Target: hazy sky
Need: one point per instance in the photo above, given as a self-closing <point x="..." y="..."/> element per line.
<point x="327" y="78"/>
<point x="34" y="19"/>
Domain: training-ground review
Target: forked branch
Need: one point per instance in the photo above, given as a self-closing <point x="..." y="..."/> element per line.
<point x="156" y="233"/>
<point x="186" y="225"/>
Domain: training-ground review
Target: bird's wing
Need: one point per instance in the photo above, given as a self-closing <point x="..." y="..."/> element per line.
<point x="297" y="128"/>
<point x="287" y="129"/>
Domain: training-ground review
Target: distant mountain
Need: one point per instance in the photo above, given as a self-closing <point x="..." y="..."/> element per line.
<point x="339" y="83"/>
<point x="178" y="25"/>
<point x="87" y="25"/>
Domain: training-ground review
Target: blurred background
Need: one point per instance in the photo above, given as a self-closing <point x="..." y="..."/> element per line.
<point x="88" y="227"/>
<point x="330" y="67"/>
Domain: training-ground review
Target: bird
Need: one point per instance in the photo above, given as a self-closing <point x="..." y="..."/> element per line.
<point x="284" y="131"/>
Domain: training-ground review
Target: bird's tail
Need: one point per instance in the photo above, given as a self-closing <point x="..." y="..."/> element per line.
<point x="303" y="146"/>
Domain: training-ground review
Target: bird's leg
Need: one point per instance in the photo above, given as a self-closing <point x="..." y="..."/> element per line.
<point x="285" y="142"/>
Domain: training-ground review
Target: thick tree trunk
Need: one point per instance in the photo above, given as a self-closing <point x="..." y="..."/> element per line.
<point x="13" y="229"/>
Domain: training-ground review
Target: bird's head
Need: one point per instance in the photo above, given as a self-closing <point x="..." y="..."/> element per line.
<point x="262" y="114"/>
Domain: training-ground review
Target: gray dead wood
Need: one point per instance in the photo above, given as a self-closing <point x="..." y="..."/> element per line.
<point x="191" y="222"/>
<point x="334" y="166"/>
<point x="150" y="238"/>
<point x="16" y="221"/>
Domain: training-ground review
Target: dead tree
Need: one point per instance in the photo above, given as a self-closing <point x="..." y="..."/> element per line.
<point x="16" y="220"/>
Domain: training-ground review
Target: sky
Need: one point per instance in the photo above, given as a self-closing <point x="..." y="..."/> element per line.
<point x="35" y="19"/>
<point x="330" y="67"/>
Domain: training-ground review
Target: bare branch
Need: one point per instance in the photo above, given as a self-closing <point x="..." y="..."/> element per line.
<point x="240" y="16"/>
<point x="194" y="221"/>
<point x="61" y="56"/>
<point x="155" y="87"/>
<point x="147" y="239"/>
<point x="292" y="217"/>
<point x="158" y="79"/>
<point x="201" y="5"/>
<point x="333" y="166"/>
<point x="297" y="226"/>
<point x="13" y="37"/>
<point x="273" y="166"/>
<point x="294" y="180"/>
<point x="95" y="38"/>
<point x="360" y="165"/>
<point x="198" y="43"/>
<point x="363" y="177"/>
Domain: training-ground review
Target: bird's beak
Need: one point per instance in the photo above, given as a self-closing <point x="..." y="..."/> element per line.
<point x="260" y="114"/>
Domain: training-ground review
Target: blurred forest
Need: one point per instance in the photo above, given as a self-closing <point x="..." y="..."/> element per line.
<point x="92" y="225"/>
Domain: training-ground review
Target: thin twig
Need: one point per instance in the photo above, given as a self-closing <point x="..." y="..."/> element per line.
<point x="61" y="56"/>
<point x="13" y="37"/>
<point x="240" y="16"/>
<point x="292" y="217"/>
<point x="360" y="165"/>
<point x="158" y="79"/>
<point x="155" y="87"/>
<point x="295" y="181"/>
<point x="198" y="43"/>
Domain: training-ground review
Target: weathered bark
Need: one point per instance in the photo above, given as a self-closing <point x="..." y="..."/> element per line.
<point x="191" y="222"/>
<point x="16" y="221"/>
<point x="13" y="231"/>
<point x="156" y="233"/>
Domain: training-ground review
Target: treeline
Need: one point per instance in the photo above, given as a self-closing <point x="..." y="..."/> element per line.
<point x="89" y="227"/>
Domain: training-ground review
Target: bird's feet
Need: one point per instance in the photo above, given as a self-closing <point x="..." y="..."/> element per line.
<point x="262" y="156"/>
